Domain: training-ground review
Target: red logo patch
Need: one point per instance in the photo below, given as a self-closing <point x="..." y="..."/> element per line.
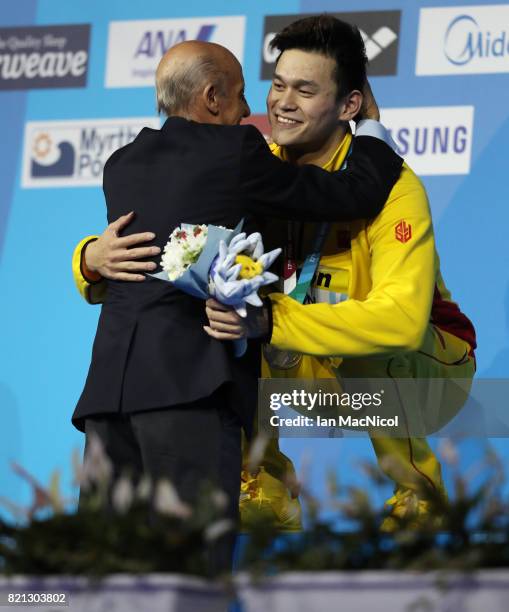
<point x="403" y="231"/>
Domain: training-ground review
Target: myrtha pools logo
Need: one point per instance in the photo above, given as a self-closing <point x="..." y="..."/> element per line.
<point x="135" y="47"/>
<point x="466" y="40"/>
<point x="73" y="153"/>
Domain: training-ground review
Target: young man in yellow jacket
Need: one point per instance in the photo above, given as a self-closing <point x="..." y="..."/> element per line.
<point x="381" y="308"/>
<point x="379" y="305"/>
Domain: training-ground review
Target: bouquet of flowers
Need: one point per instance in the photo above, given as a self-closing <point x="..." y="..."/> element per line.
<point x="212" y="261"/>
<point x="183" y="249"/>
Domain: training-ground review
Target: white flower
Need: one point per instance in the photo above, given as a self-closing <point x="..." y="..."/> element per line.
<point x="183" y="249"/>
<point x="167" y="501"/>
<point x="448" y="451"/>
<point x="256" y="452"/>
<point x="123" y="495"/>
<point x="97" y="467"/>
<point x="217" y="529"/>
<point x="219" y="499"/>
<point x="144" y="488"/>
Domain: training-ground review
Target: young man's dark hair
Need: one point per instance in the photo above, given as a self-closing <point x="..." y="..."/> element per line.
<point x="333" y="38"/>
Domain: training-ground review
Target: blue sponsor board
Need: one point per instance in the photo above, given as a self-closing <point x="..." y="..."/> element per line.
<point x="473" y="41"/>
<point x="379" y="29"/>
<point x="156" y="43"/>
<point x="424" y="140"/>
<point x="40" y="57"/>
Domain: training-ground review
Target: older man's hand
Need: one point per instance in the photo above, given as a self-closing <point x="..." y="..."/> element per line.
<point x="115" y="258"/>
<point x="226" y="324"/>
<point x="369" y="108"/>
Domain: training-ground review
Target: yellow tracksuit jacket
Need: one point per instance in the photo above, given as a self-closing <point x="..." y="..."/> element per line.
<point x="398" y="319"/>
<point x="395" y="287"/>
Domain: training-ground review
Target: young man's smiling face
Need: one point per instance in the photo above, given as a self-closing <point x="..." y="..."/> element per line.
<point x="302" y="104"/>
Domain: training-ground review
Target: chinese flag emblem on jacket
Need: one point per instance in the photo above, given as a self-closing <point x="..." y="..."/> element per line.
<point x="403" y="231"/>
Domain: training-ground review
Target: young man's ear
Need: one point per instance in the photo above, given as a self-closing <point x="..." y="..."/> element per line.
<point x="211" y="99"/>
<point x="350" y="106"/>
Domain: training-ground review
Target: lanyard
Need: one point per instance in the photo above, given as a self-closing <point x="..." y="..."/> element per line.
<point x="298" y="288"/>
<point x="310" y="265"/>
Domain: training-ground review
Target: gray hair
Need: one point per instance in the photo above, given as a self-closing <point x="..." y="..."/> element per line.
<point x="177" y="90"/>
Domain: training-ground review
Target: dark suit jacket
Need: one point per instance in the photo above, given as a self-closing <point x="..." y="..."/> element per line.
<point x="150" y="350"/>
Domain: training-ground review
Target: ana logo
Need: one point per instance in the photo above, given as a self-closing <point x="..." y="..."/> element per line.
<point x="135" y="47"/>
<point x="155" y="44"/>
<point x="379" y="30"/>
<point x="475" y="40"/>
<point x="50" y="159"/>
<point x="403" y="231"/>
<point x="73" y="153"/>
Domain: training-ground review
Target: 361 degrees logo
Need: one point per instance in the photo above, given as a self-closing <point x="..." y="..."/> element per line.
<point x="156" y="43"/>
<point x="465" y="40"/>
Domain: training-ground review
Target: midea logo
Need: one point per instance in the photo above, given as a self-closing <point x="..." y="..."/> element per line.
<point x="465" y="41"/>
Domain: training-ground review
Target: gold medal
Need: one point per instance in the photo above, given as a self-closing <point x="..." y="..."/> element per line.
<point x="280" y="359"/>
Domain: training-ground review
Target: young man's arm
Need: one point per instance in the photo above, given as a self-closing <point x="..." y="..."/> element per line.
<point x="392" y="318"/>
<point x="90" y="285"/>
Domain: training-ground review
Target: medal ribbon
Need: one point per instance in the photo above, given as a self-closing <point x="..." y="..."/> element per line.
<point x="301" y="288"/>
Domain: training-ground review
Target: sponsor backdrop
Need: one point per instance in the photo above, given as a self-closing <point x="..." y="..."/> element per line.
<point x="76" y="83"/>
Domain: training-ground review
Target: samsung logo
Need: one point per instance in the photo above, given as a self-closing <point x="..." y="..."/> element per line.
<point x="433" y="140"/>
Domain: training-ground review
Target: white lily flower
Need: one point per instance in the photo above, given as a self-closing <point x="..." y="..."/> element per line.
<point x="123" y="495"/>
<point x="167" y="501"/>
<point x="218" y="529"/>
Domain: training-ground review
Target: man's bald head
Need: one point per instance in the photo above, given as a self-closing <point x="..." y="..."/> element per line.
<point x="187" y="69"/>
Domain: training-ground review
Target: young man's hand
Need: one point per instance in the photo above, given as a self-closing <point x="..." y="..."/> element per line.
<point x="115" y="258"/>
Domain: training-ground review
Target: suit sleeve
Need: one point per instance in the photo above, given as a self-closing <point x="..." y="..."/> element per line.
<point x="395" y="314"/>
<point x="308" y="193"/>
<point x="92" y="288"/>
